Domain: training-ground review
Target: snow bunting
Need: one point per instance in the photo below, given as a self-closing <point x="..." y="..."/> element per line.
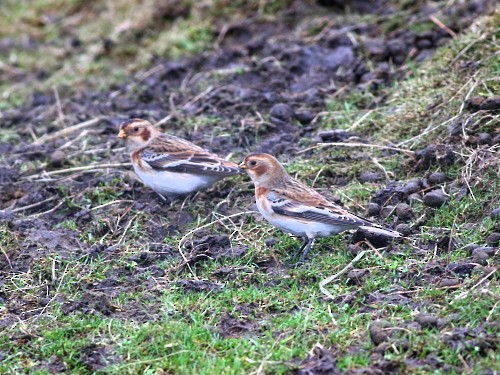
<point x="295" y="208"/>
<point x="170" y="165"/>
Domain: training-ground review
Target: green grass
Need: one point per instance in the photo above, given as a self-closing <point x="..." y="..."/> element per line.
<point x="279" y="314"/>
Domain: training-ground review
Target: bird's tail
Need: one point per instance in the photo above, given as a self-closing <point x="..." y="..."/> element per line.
<point x="380" y="230"/>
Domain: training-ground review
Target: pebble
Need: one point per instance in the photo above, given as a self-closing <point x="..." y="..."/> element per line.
<point x="369" y="177"/>
<point x="57" y="158"/>
<point x="495" y="214"/>
<point x="493" y="239"/>
<point x="426" y="320"/>
<point x="270" y="242"/>
<point x="357" y="274"/>
<point x="404" y="211"/>
<point x="373" y="209"/>
<point x="436" y="178"/>
<point x="435" y="198"/>
<point x="404" y="229"/>
<point x="470" y="247"/>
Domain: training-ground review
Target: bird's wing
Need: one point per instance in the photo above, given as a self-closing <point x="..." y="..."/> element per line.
<point x="303" y="203"/>
<point x="178" y="155"/>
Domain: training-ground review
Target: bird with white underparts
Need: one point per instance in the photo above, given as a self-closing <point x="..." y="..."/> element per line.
<point x="170" y="165"/>
<point x="295" y="208"/>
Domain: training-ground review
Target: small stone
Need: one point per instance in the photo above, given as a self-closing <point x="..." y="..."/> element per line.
<point x="481" y="258"/>
<point x="415" y="197"/>
<point x="495" y="214"/>
<point x="484" y="139"/>
<point x="493" y="239"/>
<point x="404" y="229"/>
<point x="435" y="198"/>
<point x="436" y="178"/>
<point x="369" y="177"/>
<point x="354" y="249"/>
<point x="282" y="112"/>
<point x="404" y="211"/>
<point x="451" y="281"/>
<point x="387" y="211"/>
<point x="414" y="326"/>
<point x="426" y="320"/>
<point x="412" y="186"/>
<point x="373" y="209"/>
<point x="484" y="249"/>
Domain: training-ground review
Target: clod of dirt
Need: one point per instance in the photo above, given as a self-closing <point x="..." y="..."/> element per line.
<point x="483" y="104"/>
<point x="412" y="186"/>
<point x="377" y="240"/>
<point x="484" y="249"/>
<point x="356" y="275"/>
<point x="435" y="198"/>
<point x="387" y="211"/>
<point x="470" y="247"/>
<point x="436" y="178"/>
<point x="319" y="361"/>
<point x="198" y="286"/>
<point x="369" y="177"/>
<point x="91" y="303"/>
<point x="304" y="117"/>
<point x="57" y="158"/>
<point x="214" y="247"/>
<point x="404" y="229"/>
<point x="415" y="197"/>
<point x="461" y="268"/>
<point x="271" y="241"/>
<point x="373" y="209"/>
<point x="484" y="139"/>
<point x="281" y="112"/>
<point x="335" y="135"/>
<point x="234" y="327"/>
<point x="377" y="332"/>
<point x="404" y="211"/>
<point x="493" y="239"/>
<point x="449" y="282"/>
<point x="426" y="320"/>
<point x="495" y="214"/>
<point x="481" y="258"/>
<point x="392" y="194"/>
<point x="434" y="154"/>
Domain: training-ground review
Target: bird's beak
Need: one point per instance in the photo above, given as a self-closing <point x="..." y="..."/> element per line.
<point x="242" y="165"/>
<point x="122" y="134"/>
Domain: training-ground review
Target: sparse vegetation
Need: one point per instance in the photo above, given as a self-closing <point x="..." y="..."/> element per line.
<point x="100" y="275"/>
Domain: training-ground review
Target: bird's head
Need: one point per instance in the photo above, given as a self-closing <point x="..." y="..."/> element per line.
<point x="137" y="132"/>
<point x="263" y="169"/>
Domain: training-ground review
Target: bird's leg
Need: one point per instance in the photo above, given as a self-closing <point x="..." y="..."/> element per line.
<point x="306" y="246"/>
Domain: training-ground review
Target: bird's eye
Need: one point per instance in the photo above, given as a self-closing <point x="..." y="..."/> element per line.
<point x="253" y="163"/>
<point x="136" y="129"/>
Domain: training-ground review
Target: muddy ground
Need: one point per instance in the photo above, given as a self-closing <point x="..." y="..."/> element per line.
<point x="262" y="87"/>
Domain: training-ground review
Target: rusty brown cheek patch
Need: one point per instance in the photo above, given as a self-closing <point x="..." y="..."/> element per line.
<point x="145" y="134"/>
<point x="259" y="170"/>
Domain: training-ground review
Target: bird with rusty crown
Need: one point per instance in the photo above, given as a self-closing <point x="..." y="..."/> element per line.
<point x="297" y="209"/>
<point x="169" y="165"/>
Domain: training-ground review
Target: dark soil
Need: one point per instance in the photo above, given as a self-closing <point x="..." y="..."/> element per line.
<point x="265" y="81"/>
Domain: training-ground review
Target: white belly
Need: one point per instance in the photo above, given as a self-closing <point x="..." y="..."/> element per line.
<point x="166" y="183"/>
<point x="301" y="228"/>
